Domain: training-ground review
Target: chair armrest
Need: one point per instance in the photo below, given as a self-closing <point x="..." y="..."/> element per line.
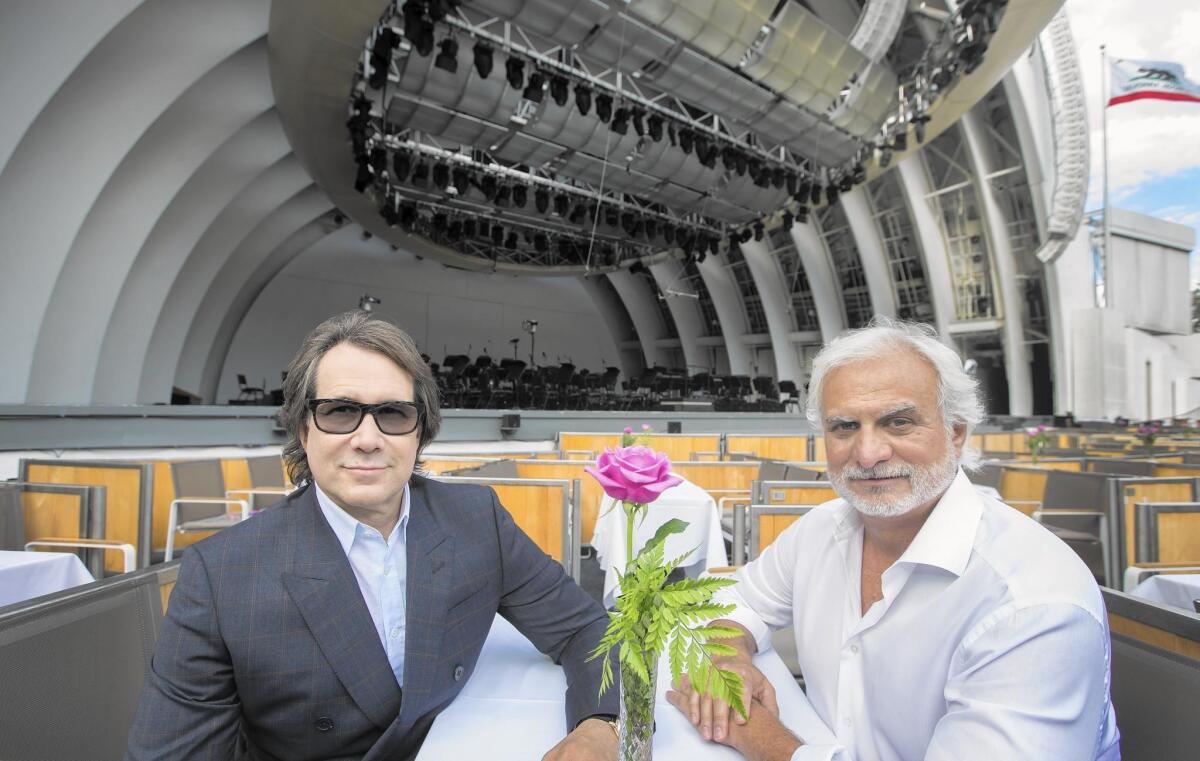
<point x="242" y="503"/>
<point x="128" y="552"/>
<point x="724" y="570"/>
<point x="258" y="490"/>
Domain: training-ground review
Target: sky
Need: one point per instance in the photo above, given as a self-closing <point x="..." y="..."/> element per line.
<point x="1153" y="146"/>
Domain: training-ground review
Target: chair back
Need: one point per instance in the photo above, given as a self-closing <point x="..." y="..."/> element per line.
<point x="266" y="472"/>
<point x="1118" y="467"/>
<point x="1085" y="491"/>
<point x="1155" y="684"/>
<point x="198" y="478"/>
<point x="74" y="664"/>
<point x="12" y="519"/>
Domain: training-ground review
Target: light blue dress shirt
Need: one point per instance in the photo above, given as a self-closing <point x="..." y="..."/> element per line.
<point x="381" y="569"/>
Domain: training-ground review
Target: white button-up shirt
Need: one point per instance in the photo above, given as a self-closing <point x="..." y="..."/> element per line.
<point x="991" y="640"/>
<point x="381" y="567"/>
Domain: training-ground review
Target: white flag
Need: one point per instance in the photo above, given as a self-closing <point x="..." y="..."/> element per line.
<point x="1160" y="80"/>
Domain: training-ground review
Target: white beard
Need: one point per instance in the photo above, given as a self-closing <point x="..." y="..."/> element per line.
<point x="925" y="485"/>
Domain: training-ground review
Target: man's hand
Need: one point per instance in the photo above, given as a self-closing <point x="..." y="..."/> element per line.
<point x="592" y="740"/>
<point x="761" y="738"/>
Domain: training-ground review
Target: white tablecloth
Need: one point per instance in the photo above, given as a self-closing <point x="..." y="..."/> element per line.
<point x="685" y="501"/>
<point x="512" y="709"/>
<point x="1176" y="589"/>
<point x="24" y="575"/>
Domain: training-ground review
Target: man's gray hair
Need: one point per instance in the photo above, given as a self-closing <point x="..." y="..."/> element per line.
<point x="358" y="329"/>
<point x="958" y="392"/>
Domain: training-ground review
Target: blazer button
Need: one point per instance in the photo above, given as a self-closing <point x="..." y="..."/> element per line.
<point x="458" y="673"/>
<point x="324" y="724"/>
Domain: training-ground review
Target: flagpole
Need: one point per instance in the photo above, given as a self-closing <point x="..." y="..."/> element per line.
<point x="1108" y="259"/>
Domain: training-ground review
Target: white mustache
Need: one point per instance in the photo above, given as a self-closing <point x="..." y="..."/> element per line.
<point x="855" y="473"/>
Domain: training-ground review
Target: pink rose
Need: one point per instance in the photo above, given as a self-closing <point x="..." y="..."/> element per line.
<point x="634" y="474"/>
<point x="628" y="429"/>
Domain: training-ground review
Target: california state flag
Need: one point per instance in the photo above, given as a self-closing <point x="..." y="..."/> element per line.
<point x="1160" y="80"/>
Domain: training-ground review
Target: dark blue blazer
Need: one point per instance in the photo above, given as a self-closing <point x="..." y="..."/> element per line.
<point x="268" y="651"/>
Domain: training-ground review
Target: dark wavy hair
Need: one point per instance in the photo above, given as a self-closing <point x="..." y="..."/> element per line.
<point x="358" y="329"/>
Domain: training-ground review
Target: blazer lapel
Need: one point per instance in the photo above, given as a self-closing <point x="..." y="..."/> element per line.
<point x="430" y="575"/>
<point x="322" y="585"/>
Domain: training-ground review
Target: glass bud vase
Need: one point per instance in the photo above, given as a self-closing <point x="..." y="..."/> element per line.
<point x="637" y="712"/>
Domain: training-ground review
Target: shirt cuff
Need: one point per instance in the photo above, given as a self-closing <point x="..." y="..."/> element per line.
<point x="753" y="624"/>
<point x="821" y="753"/>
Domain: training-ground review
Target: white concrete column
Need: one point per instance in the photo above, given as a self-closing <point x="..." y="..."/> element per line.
<point x="871" y="251"/>
<point x="775" y="302"/>
<point x="686" y="312"/>
<point x="609" y="307"/>
<point x="1016" y="357"/>
<point x="826" y="293"/>
<point x="928" y="230"/>
<point x="639" y="302"/>
<point x="728" y="303"/>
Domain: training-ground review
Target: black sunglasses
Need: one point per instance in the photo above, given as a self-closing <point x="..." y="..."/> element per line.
<point x="345" y="415"/>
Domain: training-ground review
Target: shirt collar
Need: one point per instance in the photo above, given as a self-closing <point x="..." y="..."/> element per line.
<point x="948" y="535"/>
<point x="345" y="526"/>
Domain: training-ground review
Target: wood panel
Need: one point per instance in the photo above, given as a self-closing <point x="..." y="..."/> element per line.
<point x="164" y="594"/>
<point x="678" y="447"/>
<point x="441" y="465"/>
<point x="50" y="515"/>
<point x="1176" y="471"/>
<point x="819" y="448"/>
<point x="1154" y="636"/>
<point x="123" y="491"/>
<point x="538" y="511"/>
<point x="590" y="493"/>
<point x="800" y="495"/>
<point x="769" y="447"/>
<point x="771" y="526"/>
<point x="1003" y="442"/>
<point x="236" y="474"/>
<point x="718" y="476"/>
<point x="1149" y="492"/>
<point x="1023" y="485"/>
<point x="1179" y="537"/>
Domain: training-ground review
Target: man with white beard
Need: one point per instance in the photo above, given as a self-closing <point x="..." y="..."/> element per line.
<point x="931" y="622"/>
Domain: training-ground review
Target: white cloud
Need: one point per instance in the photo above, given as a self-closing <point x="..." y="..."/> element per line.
<point x="1146" y="139"/>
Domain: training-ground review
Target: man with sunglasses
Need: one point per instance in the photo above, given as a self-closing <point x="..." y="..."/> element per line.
<point x="339" y="624"/>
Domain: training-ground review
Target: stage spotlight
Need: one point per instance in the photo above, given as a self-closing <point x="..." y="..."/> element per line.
<point x="379" y="160"/>
<point x="438" y="9"/>
<point x="627" y="223"/>
<point x="562" y="204"/>
<point x="502" y="195"/>
<point x="654" y="125"/>
<point x="714" y="246"/>
<point x="741" y="164"/>
<point x="885" y="157"/>
<point x="700" y="141"/>
<point x="919" y="128"/>
<point x="583" y="98"/>
<point x="792" y="182"/>
<point x="424" y="41"/>
<point x="900" y="139"/>
<point x="728" y="158"/>
<point x="560" y="90"/>
<point x="511" y="241"/>
<point x="669" y="234"/>
<point x="734" y="238"/>
<point x="515" y="71"/>
<point x="685" y="140"/>
<point x="536" y="88"/>
<point x="408" y="215"/>
<point x="441" y="176"/>
<point x="611" y="218"/>
<point x="461" y="179"/>
<point x="420" y="173"/>
<point x="709" y="157"/>
<point x="402" y="165"/>
<point x="651" y="229"/>
<point x="439" y="222"/>
<point x="778" y="177"/>
<point x="672" y="136"/>
<point x="788" y="220"/>
<point x="686" y="240"/>
<point x="488" y="186"/>
<point x="745" y="235"/>
<point x="447" y="60"/>
<point x="803" y="189"/>
<point x="454" y="231"/>
<point x="414" y="19"/>
<point x="815" y="196"/>
<point x="577" y="213"/>
<point x="637" y="268"/>
<point x="759" y="230"/>
<point x="604" y="104"/>
<point x="637" y="116"/>
<point x="497" y="234"/>
<point x="519" y="195"/>
<point x="620" y="121"/>
<point x="802" y="214"/>
<point x="483" y="59"/>
<point x="859" y="174"/>
<point x="469" y="228"/>
<point x="541" y="243"/>
<point x="831" y="194"/>
<point x="541" y="200"/>
<point x="845" y="183"/>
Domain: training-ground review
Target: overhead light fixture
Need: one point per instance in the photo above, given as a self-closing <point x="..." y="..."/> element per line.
<point x="515" y="71"/>
<point x="778" y="176"/>
<point x="792" y="183"/>
<point x="447" y="60"/>
<point x="831" y="194"/>
<point x="488" y="186"/>
<point x="637" y="116"/>
<point x="885" y="157"/>
<point x="788" y="220"/>
<point x="815" y="194"/>
<point x="462" y="179"/>
<point x="620" y="121"/>
<point x="483" y="59"/>
<point x="685" y="139"/>
<point x="511" y="241"/>
<point x="759" y="231"/>
<point x="746" y="235"/>
<point x="535" y="90"/>
<point x="441" y="176"/>
<point x="583" y="98"/>
<point x="497" y="234"/>
<point x="421" y="172"/>
<point x="562" y="204"/>
<point x="560" y="90"/>
<point x="402" y="165"/>
<point x="541" y="200"/>
<point x="519" y="195"/>
<point x="654" y="125"/>
<point x="469" y="228"/>
<point x="802" y="214"/>
<point x="502" y="195"/>
<point x="900" y="139"/>
<point x="604" y="104"/>
<point x="669" y="234"/>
